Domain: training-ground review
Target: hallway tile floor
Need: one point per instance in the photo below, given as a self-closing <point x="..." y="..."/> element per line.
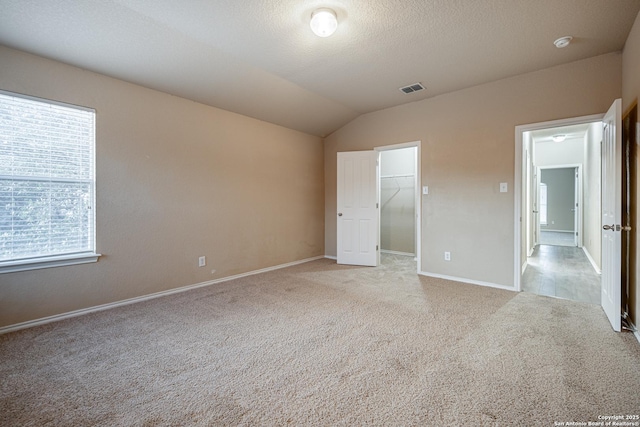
<point x="557" y="238"/>
<point x="562" y="272"/>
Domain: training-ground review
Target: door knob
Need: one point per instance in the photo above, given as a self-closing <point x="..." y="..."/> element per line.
<point x="339" y="213"/>
<point x="608" y="227"/>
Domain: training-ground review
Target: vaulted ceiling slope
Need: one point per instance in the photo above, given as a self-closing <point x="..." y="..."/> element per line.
<point x="259" y="57"/>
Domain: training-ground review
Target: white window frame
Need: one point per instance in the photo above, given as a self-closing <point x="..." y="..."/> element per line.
<point x="57" y="260"/>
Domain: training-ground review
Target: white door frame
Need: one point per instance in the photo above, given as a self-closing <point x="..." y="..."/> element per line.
<point x="518" y="167"/>
<point x="578" y="212"/>
<point x="418" y="181"/>
<point x="536" y="227"/>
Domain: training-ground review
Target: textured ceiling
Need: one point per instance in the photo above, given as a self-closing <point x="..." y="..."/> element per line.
<point x="260" y="58"/>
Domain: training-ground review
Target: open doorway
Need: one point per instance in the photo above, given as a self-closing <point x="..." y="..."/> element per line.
<point x="560" y="205"/>
<point x="399" y="204"/>
<point x="561" y="191"/>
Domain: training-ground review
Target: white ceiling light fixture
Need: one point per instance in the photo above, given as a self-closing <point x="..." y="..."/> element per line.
<point x="559" y="138"/>
<point x="563" y="42"/>
<point x="324" y="22"/>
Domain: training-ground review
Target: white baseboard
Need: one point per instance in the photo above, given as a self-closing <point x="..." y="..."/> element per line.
<point x="637" y="334"/>
<point x="591" y="260"/>
<point x="335" y="258"/>
<point x="470" y="281"/>
<point x="557" y="231"/>
<point x="76" y="313"/>
<point x="385" y="251"/>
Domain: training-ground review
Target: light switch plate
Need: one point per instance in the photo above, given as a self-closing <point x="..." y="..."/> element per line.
<point x="503" y="187"/>
<point x="425" y="189"/>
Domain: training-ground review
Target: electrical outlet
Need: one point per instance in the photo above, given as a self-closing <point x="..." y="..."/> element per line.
<point x="202" y="261"/>
<point x="447" y="256"/>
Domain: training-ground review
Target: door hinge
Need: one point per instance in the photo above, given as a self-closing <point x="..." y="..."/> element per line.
<point x="376" y="206"/>
<point x="376" y="247"/>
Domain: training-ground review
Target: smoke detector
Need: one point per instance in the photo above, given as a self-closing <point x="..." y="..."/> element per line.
<point x="563" y="42"/>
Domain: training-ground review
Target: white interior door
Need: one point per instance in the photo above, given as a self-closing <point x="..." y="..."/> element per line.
<point x="358" y="215"/>
<point x="612" y="214"/>
<point x="576" y="208"/>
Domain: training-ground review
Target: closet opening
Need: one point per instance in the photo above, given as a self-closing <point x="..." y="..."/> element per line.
<point x="399" y="203"/>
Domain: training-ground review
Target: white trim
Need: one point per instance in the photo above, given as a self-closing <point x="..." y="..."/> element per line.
<point x="567" y="166"/>
<point x="556" y="231"/>
<point x="102" y="307"/>
<point x="418" y="191"/>
<point x="47" y="262"/>
<point x="524" y="266"/>
<point x="46" y="100"/>
<point x="397" y="146"/>
<point x="591" y="260"/>
<point x="637" y="334"/>
<point x="470" y="281"/>
<point x="385" y="251"/>
<point x="517" y="198"/>
<point x="335" y="258"/>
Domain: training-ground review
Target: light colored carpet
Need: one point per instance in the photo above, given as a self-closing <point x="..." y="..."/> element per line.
<point x="322" y="344"/>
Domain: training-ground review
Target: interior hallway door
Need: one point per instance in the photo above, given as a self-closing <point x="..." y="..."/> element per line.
<point x="612" y="214"/>
<point x="358" y="214"/>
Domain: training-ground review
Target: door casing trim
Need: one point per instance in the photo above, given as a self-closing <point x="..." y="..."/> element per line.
<point x="517" y="180"/>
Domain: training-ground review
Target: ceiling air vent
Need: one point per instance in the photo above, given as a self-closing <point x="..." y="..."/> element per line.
<point x="412" y="88"/>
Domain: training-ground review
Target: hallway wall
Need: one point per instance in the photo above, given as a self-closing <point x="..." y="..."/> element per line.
<point x="592" y="217"/>
<point x="568" y="152"/>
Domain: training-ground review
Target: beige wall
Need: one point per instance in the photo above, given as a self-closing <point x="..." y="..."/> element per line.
<point x="175" y="180"/>
<point x="630" y="95"/>
<point x="468" y="148"/>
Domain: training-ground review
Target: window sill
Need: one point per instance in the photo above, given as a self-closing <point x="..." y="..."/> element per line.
<point x="47" y="262"/>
